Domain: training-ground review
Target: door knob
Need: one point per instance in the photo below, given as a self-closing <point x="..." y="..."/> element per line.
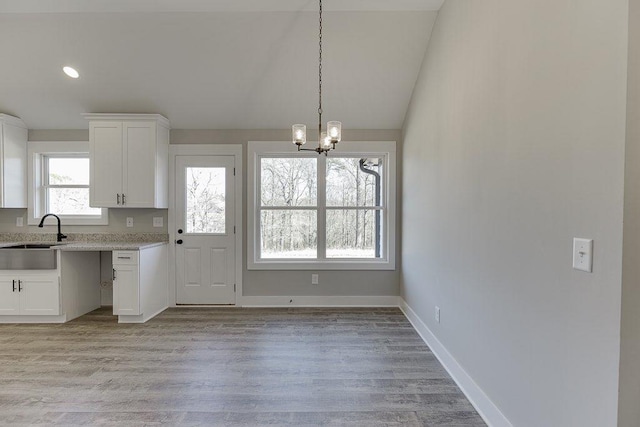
<point x="179" y="230"/>
<point x="179" y="241"/>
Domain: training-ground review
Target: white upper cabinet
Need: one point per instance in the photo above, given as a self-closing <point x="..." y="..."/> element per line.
<point x="129" y="156"/>
<point x="13" y="162"/>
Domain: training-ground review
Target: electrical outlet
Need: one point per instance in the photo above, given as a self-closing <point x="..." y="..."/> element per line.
<point x="157" y="221"/>
<point x="129" y="221"/>
<point x="437" y="314"/>
<point x="314" y="279"/>
<point x="19" y="221"/>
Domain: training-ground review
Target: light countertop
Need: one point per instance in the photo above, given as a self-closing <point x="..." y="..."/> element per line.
<point x="95" y="246"/>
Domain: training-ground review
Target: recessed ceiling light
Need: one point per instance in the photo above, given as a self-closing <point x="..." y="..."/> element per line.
<point x="71" y="72"/>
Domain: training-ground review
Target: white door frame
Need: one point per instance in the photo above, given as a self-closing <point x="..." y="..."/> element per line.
<point x="234" y="150"/>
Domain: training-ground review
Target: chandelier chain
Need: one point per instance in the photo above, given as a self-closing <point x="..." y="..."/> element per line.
<point x="320" y="73"/>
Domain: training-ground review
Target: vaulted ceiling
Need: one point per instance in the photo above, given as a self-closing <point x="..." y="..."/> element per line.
<point x="243" y="64"/>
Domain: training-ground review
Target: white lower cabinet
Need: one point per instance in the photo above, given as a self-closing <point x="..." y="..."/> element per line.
<point x="126" y="283"/>
<point x="29" y="294"/>
<point x="140" y="283"/>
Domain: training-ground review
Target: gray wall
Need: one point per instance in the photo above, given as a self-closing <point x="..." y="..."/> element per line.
<point x="513" y="145"/>
<point x="256" y="283"/>
<point x="629" y="407"/>
<point x="298" y="283"/>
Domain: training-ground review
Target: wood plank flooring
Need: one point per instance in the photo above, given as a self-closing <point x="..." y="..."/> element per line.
<point x="228" y="367"/>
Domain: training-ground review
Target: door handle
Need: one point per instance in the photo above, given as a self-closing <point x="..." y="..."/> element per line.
<point x="14" y="285"/>
<point x="118" y="197"/>
<point x="19" y="285"/>
<point x="179" y="241"/>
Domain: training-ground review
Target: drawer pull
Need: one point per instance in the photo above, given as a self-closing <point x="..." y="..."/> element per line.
<point x="124" y="257"/>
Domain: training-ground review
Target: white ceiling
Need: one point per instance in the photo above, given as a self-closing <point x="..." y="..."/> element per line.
<point x="212" y="64"/>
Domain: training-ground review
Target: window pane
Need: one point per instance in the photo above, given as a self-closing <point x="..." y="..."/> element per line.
<point x="205" y="200"/>
<point x="349" y="185"/>
<point x="70" y="201"/>
<point x="74" y="171"/>
<point x="289" y="181"/>
<point x="289" y="234"/>
<point x="352" y="233"/>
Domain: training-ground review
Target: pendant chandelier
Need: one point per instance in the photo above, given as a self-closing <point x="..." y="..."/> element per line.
<point x="326" y="140"/>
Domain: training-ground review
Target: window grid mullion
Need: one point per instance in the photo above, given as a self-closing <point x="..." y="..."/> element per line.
<point x="65" y="186"/>
<point x="322" y="211"/>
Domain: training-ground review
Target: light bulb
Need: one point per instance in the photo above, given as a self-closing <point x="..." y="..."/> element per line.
<point x="325" y="140"/>
<point x="335" y="131"/>
<point x="299" y="134"/>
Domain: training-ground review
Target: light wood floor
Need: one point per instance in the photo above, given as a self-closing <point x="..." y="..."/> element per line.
<point x="215" y="367"/>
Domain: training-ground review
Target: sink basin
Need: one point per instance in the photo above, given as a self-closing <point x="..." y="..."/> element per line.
<point x="32" y="246"/>
<point x="28" y="256"/>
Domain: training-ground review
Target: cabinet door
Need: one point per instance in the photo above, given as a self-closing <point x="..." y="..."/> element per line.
<point x="9" y="299"/>
<point x="126" y="289"/>
<point x="106" y="151"/>
<point x="14" y="161"/>
<point x="39" y="296"/>
<point x="139" y="164"/>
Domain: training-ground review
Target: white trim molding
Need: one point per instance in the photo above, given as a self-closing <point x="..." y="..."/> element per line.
<point x="36" y="205"/>
<point x="319" y="301"/>
<point x="383" y="149"/>
<point x="478" y="398"/>
<point x="204" y="150"/>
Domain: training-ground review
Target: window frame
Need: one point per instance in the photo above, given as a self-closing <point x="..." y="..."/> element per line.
<point x="37" y="181"/>
<point x="379" y="149"/>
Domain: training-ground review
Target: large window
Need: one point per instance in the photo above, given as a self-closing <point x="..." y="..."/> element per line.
<point x="59" y="183"/>
<point x="322" y="212"/>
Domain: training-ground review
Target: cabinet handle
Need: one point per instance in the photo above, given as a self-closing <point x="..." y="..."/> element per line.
<point x="19" y="285"/>
<point x="123" y="199"/>
<point x="124" y="257"/>
<point x="118" y="198"/>
<point x="113" y="277"/>
<point x="14" y="285"/>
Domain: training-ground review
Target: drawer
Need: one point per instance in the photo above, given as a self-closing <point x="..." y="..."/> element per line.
<point x="125" y="257"/>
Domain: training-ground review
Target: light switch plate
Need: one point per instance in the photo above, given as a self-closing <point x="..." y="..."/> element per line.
<point x="129" y="222"/>
<point x="157" y="221"/>
<point x="19" y="221"/>
<point x="314" y="279"/>
<point x="583" y="254"/>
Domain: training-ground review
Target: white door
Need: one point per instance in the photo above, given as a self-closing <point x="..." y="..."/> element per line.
<point x="126" y="289"/>
<point x="139" y="164"/>
<point x="106" y="164"/>
<point x="9" y="296"/>
<point x="205" y="230"/>
<point x="39" y="295"/>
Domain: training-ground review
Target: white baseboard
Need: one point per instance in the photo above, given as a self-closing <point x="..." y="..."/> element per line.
<point x="485" y="407"/>
<point x="319" y="301"/>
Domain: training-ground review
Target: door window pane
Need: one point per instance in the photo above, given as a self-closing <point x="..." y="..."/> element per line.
<point x="353" y="233"/>
<point x="354" y="181"/>
<point x="289" y="234"/>
<point x="288" y="182"/>
<point x="205" y="190"/>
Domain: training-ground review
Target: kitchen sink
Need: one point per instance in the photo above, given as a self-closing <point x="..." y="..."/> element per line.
<point x="29" y="256"/>
<point x="32" y="246"/>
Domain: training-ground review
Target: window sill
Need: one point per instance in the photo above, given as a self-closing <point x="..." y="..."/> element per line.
<point x="322" y="265"/>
